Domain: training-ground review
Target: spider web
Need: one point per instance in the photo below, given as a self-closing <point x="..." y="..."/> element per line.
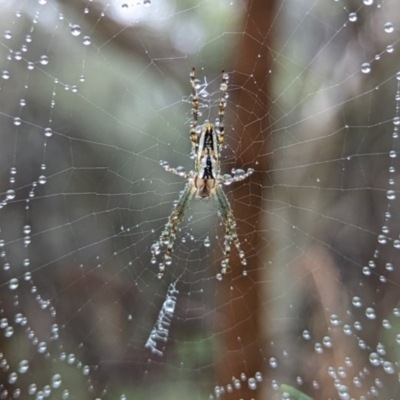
<point x="94" y="95"/>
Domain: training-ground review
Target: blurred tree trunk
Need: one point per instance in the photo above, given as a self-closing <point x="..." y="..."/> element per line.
<point x="241" y="297"/>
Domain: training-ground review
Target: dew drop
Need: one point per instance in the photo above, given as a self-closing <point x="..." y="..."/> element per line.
<point x="368" y="2"/>
<point x="27" y="229"/>
<point x="396" y="244"/>
<point x="388" y="367"/>
<point x="76" y="30"/>
<point x="252" y="384"/>
<point x="374" y="359"/>
<point x="353" y="17"/>
<point x="356" y="301"/>
<point x="5" y="74"/>
<point x="389" y="48"/>
<point x="370" y="313"/>
<point x="42" y="179"/>
<point x="7" y="34"/>
<point x="12" y="378"/>
<point x="44" y="60"/>
<point x="382" y="239"/>
<point x="23" y="366"/>
<point x="42" y="346"/>
<point x="306" y="335"/>
<point x="9" y="331"/>
<point x="87" y="40"/>
<point x="13" y="284"/>
<point x="207" y="242"/>
<point x="389" y="28"/>
<point x="48" y="132"/>
<point x="10" y="194"/>
<point x="181" y="171"/>
<point x="56" y="381"/>
<point x="366" y="68"/>
<point x="17" y="121"/>
<point x="391" y="195"/>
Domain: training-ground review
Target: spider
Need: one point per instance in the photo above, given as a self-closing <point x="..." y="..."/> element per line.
<point x="205" y="181"/>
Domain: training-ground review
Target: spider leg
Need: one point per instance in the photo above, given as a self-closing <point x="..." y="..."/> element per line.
<point x="168" y="236"/>
<point x="231" y="235"/>
<point x="222" y="104"/>
<point x="195" y="106"/>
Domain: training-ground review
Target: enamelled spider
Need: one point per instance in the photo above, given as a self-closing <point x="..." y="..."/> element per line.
<point x="204" y="181"/>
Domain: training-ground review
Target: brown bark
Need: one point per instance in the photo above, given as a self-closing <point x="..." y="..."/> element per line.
<point x="243" y="349"/>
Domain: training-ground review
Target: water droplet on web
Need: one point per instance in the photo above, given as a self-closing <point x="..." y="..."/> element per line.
<point x="44" y="60"/>
<point x="388" y="367"/>
<point x="252" y="384"/>
<point x="13" y="284"/>
<point x="5" y="74"/>
<point x="17" y="121"/>
<point x="32" y="388"/>
<point x="227" y="179"/>
<point x="356" y="301"/>
<point x="7" y="34"/>
<point x="365" y="68"/>
<point x="353" y="17"/>
<point x="386" y="324"/>
<point x="370" y="313"/>
<point x="30" y="65"/>
<point x="368" y="2"/>
<point x="23" y="366"/>
<point x="382" y="239"/>
<point x="56" y="381"/>
<point x="27" y="229"/>
<point x="389" y="48"/>
<point x="181" y="171"/>
<point x="327" y="341"/>
<point x="389" y="267"/>
<point x="87" y="40"/>
<point x="239" y="174"/>
<point x="76" y="30"/>
<point x="207" y="242"/>
<point x="318" y="348"/>
<point x="396" y="244"/>
<point x="147" y="3"/>
<point x="12" y="378"/>
<point x="391" y="195"/>
<point x="334" y="319"/>
<point x="10" y="194"/>
<point x="48" y="132"/>
<point x="389" y="28"/>
<point x="22" y="102"/>
<point x="306" y="335"/>
<point x="42" y="179"/>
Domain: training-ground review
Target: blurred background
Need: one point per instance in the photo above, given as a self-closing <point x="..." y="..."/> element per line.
<point x="94" y="94"/>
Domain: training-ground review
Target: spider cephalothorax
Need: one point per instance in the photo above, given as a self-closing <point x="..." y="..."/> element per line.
<point x="205" y="181"/>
